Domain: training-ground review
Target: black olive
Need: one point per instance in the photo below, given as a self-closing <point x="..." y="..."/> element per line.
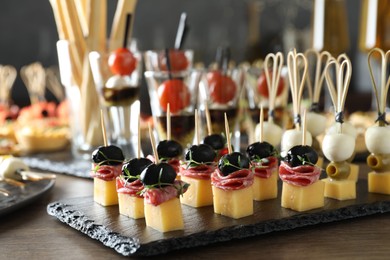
<point x="202" y="153"/>
<point x="45" y="113"/>
<point x="161" y="173"/>
<point x="108" y="155"/>
<point x="134" y="167"/>
<point x="301" y="155"/>
<point x="233" y="162"/>
<point x="259" y="150"/>
<point x="169" y="149"/>
<point x="216" y="141"/>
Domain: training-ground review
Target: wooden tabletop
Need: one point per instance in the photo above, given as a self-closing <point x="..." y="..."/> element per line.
<point x="30" y="233"/>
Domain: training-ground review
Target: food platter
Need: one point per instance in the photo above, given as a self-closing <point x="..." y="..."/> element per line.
<point x="21" y="196"/>
<point x="202" y="227"/>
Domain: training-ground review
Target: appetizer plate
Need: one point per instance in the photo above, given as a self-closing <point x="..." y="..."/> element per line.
<point x="21" y="196"/>
<point x="202" y="227"/>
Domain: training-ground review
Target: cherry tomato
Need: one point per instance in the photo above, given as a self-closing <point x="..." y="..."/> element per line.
<point x="174" y="92"/>
<point x="222" y="87"/>
<point x="262" y="85"/>
<point x="122" y="62"/>
<point x="177" y="59"/>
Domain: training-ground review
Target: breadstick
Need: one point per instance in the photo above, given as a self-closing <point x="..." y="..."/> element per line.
<point x="124" y="7"/>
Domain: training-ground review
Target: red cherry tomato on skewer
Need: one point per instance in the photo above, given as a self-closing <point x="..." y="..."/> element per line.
<point x="174" y="92"/>
<point x="122" y="62"/>
<point x="222" y="87"/>
<point x="177" y="59"/>
<point x="262" y="85"/>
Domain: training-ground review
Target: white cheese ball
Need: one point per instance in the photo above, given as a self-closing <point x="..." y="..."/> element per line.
<point x="346" y="128"/>
<point x="10" y="165"/>
<point x="118" y="81"/>
<point x="378" y="139"/>
<point x="292" y="138"/>
<point x="272" y="133"/>
<point x="338" y="147"/>
<point x="315" y="123"/>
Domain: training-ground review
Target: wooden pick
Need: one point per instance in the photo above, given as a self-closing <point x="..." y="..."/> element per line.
<point x="153" y="142"/>
<point x="139" y="138"/>
<point x="227" y="130"/>
<point x="103" y="127"/>
<point x="168" y="122"/>
<point x="208" y="119"/>
<point x="261" y="124"/>
<point x="197" y="128"/>
<point x="304" y="128"/>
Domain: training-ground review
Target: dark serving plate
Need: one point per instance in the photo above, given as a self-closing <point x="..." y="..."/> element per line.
<point x="19" y="197"/>
<point x="131" y="237"/>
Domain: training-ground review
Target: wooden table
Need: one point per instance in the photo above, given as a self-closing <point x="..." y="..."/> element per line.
<point x="30" y="233"/>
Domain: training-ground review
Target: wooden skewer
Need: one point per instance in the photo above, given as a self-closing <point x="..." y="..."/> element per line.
<point x="168" y="122"/>
<point x="297" y="82"/>
<point x="304" y="128"/>
<point x="139" y="138"/>
<point x="227" y="130"/>
<point x="53" y="83"/>
<point x="151" y="136"/>
<point x="197" y="138"/>
<point x="261" y="124"/>
<point x="34" y="77"/>
<point x="7" y="78"/>
<point x="208" y="119"/>
<point x="103" y="127"/>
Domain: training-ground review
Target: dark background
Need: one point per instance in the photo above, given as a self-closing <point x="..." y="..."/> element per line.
<point x="28" y="32"/>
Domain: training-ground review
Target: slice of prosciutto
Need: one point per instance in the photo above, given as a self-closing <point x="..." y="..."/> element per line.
<point x="106" y="172"/>
<point x="156" y="196"/>
<point x="265" y="169"/>
<point x="302" y="175"/>
<point x="202" y="172"/>
<point x="234" y="181"/>
<point x="131" y="188"/>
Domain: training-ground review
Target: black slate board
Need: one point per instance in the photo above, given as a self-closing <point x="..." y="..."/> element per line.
<point x="131" y="237"/>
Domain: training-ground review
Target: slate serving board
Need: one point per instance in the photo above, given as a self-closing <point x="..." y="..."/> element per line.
<point x="131" y="237"/>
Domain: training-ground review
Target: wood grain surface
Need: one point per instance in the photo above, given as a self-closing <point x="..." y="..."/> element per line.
<point x="30" y="233"/>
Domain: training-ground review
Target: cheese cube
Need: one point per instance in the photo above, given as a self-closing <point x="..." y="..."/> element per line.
<point x="340" y="189"/>
<point x="353" y="172"/>
<point x="379" y="182"/>
<point x="233" y="203"/>
<point x="199" y="192"/>
<point x="165" y="217"/>
<point x="303" y="198"/>
<point x="131" y="206"/>
<point x="104" y="192"/>
<point x="265" y="188"/>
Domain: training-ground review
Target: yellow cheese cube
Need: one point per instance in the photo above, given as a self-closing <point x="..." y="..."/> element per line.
<point x="340" y="189"/>
<point x="303" y="198"/>
<point x="265" y="188"/>
<point x="233" y="203"/>
<point x="353" y="172"/>
<point x="199" y="192"/>
<point x="165" y="217"/>
<point x="131" y="206"/>
<point x="104" y="192"/>
<point x="379" y="182"/>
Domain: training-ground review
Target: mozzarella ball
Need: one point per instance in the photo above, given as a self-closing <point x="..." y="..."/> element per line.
<point x="346" y="128"/>
<point x="338" y="147"/>
<point x="292" y="138"/>
<point x="315" y="123"/>
<point x="272" y="133"/>
<point x="378" y="139"/>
